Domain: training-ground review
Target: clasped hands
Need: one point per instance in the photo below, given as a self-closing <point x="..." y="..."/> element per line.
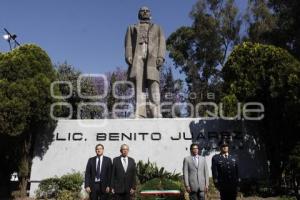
<point x="88" y="189"/>
<point x="188" y="189"/>
<point x="159" y="61"/>
<point x="131" y="191"/>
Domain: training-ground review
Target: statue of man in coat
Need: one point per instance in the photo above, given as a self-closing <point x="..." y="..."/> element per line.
<point x="145" y="48"/>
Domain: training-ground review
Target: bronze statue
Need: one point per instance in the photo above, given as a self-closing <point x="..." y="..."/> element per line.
<point x="145" y="48"/>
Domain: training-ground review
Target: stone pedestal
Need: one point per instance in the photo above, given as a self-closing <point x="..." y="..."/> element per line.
<point x="164" y="141"/>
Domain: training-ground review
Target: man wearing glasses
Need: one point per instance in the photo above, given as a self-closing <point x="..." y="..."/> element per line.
<point x="123" y="181"/>
<point x="98" y="175"/>
<point x="195" y="174"/>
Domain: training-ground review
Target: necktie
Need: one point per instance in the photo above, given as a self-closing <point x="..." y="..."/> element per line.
<point x="125" y="164"/>
<point x="98" y="168"/>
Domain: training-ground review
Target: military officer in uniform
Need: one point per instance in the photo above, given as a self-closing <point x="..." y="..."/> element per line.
<point x="145" y="48"/>
<point x="225" y="172"/>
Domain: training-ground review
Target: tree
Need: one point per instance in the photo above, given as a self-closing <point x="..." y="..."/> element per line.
<point x="287" y="32"/>
<point x="271" y="76"/>
<point x="122" y="91"/>
<point x="261" y="21"/>
<point x="111" y="99"/>
<point x="200" y="50"/>
<point x="87" y="86"/>
<point x="170" y="90"/>
<point x="275" y="22"/>
<point x="25" y="77"/>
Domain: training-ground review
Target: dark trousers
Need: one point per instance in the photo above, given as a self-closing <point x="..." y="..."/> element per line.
<point x="200" y="195"/>
<point x="228" y="192"/>
<point x="97" y="193"/>
<point x="122" y="196"/>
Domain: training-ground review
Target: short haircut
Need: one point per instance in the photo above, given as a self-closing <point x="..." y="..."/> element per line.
<point x="192" y="145"/>
<point x="124" y="145"/>
<point x="101" y="145"/>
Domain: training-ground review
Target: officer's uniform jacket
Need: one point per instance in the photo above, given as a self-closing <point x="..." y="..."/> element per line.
<point x="225" y="170"/>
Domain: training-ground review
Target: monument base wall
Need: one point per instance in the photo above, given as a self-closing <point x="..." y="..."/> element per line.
<point x="164" y="141"/>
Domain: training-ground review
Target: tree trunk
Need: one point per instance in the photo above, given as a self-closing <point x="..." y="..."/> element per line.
<point x="24" y="167"/>
<point x="23" y="187"/>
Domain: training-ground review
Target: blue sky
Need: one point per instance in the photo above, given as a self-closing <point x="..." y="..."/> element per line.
<point x="87" y="34"/>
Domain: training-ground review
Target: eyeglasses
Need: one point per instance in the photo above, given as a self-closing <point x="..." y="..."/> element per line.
<point x="145" y="10"/>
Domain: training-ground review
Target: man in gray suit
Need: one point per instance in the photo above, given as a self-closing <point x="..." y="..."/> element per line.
<point x="145" y="48"/>
<point x="195" y="174"/>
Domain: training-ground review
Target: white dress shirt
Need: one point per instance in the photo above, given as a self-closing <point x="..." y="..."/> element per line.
<point x="196" y="160"/>
<point x="225" y="155"/>
<point x="124" y="161"/>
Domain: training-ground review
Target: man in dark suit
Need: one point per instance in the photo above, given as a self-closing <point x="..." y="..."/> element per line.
<point x="225" y="171"/>
<point x="98" y="175"/>
<point x="123" y="181"/>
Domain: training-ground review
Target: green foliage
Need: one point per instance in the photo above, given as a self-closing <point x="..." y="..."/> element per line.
<point x="48" y="188"/>
<point x="271" y="76"/>
<point x="147" y="171"/>
<point x="286" y="34"/>
<point x="87" y="86"/>
<point x="71" y="182"/>
<point x="263" y="73"/>
<point x="66" y="187"/>
<point x="199" y="51"/>
<point x="287" y="198"/>
<point x="66" y="195"/>
<point x="162" y="184"/>
<point x="229" y="107"/>
<point x="25" y="77"/>
<point x="261" y="21"/>
<point x="119" y="74"/>
<point x="275" y="22"/>
<point x="111" y="99"/>
<point x="26" y="74"/>
<point x="212" y="190"/>
<point x="169" y="90"/>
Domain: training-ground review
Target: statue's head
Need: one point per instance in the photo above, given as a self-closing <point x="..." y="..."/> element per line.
<point x="144" y="13"/>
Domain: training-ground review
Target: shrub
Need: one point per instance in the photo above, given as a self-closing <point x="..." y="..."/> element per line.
<point x="147" y="171"/>
<point x="48" y="188"/>
<point x="66" y="195"/>
<point x="71" y="182"/>
<point x="66" y="187"/>
<point x="287" y="198"/>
